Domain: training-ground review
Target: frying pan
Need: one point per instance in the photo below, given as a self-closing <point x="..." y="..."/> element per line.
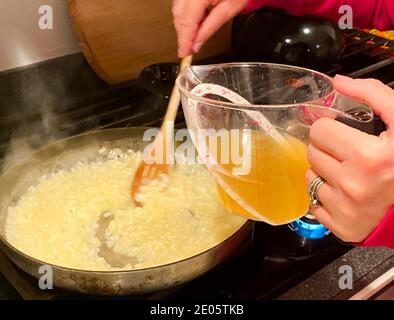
<point x="66" y="153"/>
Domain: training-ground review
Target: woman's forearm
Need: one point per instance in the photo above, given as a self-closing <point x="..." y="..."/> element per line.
<point x="366" y="13"/>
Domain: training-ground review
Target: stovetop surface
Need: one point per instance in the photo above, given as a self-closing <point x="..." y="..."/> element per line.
<point x="275" y="260"/>
<point x="272" y="261"/>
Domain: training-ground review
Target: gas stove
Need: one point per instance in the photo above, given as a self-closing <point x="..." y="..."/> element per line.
<point x="275" y="260"/>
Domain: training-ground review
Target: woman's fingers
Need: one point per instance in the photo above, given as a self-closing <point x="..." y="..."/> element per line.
<point x="324" y="212"/>
<point x="324" y="192"/>
<point x="338" y="139"/>
<point x="187" y="18"/>
<point x="341" y="141"/>
<point x="218" y="16"/>
<point x="324" y="218"/>
<point x="323" y="164"/>
<point x="194" y="28"/>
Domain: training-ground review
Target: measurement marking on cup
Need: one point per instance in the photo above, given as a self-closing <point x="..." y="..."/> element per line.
<point x="201" y="90"/>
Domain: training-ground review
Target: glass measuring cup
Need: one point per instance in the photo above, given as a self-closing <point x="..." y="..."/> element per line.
<point x="250" y="124"/>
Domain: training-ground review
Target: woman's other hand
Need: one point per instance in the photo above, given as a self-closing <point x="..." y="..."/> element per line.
<point x="197" y="20"/>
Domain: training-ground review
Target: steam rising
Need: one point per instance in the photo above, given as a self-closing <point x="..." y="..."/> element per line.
<point x="36" y="104"/>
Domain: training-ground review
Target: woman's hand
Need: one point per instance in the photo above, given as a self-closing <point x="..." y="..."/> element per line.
<point x="194" y="26"/>
<point x="358" y="168"/>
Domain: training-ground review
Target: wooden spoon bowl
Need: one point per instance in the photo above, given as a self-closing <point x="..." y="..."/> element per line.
<point x="154" y="170"/>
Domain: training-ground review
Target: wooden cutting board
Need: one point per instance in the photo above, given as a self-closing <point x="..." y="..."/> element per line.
<point x="121" y="37"/>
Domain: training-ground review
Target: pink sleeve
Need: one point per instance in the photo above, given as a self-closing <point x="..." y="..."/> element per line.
<point x="366" y="13"/>
<point x="383" y="235"/>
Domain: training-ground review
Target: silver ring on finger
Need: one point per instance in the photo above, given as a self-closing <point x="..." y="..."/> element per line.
<point x="313" y="189"/>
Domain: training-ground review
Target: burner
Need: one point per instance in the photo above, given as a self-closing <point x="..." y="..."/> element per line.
<point x="309" y="228"/>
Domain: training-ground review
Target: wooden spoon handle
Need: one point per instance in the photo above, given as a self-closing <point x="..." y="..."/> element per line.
<point x="167" y="127"/>
<point x="175" y="98"/>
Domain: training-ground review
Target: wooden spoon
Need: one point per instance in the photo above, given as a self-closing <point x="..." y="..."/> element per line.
<point x="153" y="170"/>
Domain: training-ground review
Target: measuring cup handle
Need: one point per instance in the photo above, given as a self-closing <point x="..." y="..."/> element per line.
<point x="379" y="126"/>
<point x="357" y="115"/>
<point x="374" y="127"/>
